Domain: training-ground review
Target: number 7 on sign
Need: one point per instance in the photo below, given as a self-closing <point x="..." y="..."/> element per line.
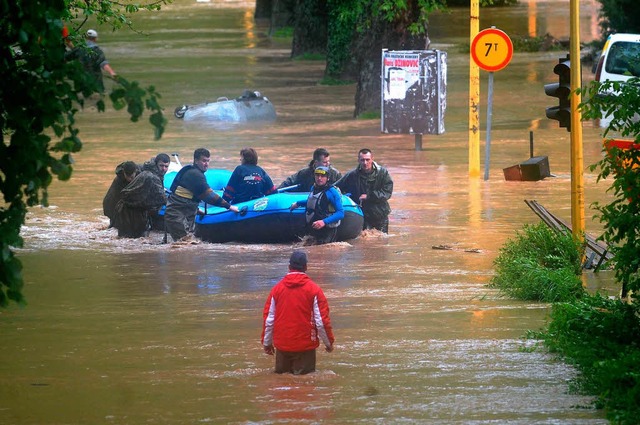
<point x="489" y="46"/>
<point x="486" y="53"/>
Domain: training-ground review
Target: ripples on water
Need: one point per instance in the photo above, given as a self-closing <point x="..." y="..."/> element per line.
<point x="135" y="331"/>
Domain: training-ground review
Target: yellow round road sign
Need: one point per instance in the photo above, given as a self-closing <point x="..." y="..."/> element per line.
<point x="491" y="49"/>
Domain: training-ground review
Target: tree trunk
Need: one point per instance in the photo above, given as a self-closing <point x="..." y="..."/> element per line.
<point x="263" y="9"/>
<point x="278" y="12"/>
<point x="310" y="30"/>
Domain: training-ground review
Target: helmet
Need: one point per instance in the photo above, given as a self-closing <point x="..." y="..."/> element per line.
<point x="92" y="34"/>
<point x="322" y="170"/>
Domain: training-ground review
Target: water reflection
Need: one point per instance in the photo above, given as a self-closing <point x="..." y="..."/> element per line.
<point x="135" y="331"/>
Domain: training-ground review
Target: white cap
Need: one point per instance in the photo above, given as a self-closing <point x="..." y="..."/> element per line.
<point x="92" y="34"/>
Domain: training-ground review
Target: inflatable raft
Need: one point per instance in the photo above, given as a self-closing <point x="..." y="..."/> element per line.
<point x="250" y="106"/>
<point x="263" y="220"/>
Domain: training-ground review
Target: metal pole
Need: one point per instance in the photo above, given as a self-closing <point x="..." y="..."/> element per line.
<point x="577" y="172"/>
<point x="474" y="95"/>
<point x="487" y="147"/>
<point x="418" y="142"/>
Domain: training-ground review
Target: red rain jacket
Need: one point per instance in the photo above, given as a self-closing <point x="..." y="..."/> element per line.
<point x="296" y="315"/>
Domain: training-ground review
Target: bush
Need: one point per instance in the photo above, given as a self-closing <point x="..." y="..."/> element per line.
<point x="539" y="264"/>
<point x="601" y="337"/>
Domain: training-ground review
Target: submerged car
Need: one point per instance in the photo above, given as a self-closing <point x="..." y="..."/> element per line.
<point x="250" y="106"/>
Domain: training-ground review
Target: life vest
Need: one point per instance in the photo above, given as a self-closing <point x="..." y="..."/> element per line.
<point x="319" y="207"/>
<point x="178" y="177"/>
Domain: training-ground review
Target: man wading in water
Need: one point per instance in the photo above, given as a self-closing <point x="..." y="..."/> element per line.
<point x="294" y="320"/>
<point x="324" y="208"/>
<point x="187" y="190"/>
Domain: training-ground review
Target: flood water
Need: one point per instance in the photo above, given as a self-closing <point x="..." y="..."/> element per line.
<point x="134" y="331"/>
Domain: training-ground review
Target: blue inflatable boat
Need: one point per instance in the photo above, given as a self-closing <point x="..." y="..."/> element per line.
<point x="250" y="106"/>
<point x="263" y="220"/>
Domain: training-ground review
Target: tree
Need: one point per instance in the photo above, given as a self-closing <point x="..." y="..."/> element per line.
<point x="620" y="102"/>
<point x="619" y="16"/>
<point x="372" y="26"/>
<point x="39" y="96"/>
<point x="310" y="28"/>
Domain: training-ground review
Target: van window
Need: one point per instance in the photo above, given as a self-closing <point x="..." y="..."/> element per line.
<point x="624" y="59"/>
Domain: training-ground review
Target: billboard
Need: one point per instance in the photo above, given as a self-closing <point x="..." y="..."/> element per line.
<point x="414" y="91"/>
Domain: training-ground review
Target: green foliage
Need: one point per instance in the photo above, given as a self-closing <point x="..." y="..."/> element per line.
<point x="348" y="19"/>
<point x="619" y="16"/>
<point x="39" y="97"/>
<point x="601" y="337"/>
<point x="525" y="43"/>
<point x="328" y="81"/>
<point x="621" y="216"/>
<point x="370" y="115"/>
<point x="539" y="264"/>
<point x="284" y="32"/>
<point x="483" y="3"/>
<point x="310" y="57"/>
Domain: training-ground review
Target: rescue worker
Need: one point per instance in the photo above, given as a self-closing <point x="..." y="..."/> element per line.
<point x="142" y="199"/>
<point x="370" y="186"/>
<point x="125" y="173"/>
<point x="304" y="178"/>
<point x="248" y="181"/>
<point x="187" y="190"/>
<point x="324" y="208"/>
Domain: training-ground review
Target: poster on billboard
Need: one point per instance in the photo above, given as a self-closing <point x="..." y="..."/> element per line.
<point x="413" y="91"/>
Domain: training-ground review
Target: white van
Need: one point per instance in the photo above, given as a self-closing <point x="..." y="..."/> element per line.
<point x="620" y="58"/>
<point x="619" y="61"/>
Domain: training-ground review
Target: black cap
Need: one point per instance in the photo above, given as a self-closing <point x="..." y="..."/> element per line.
<point x="298" y="260"/>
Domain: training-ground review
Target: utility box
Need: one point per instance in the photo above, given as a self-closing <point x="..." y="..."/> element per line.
<point x="414" y="91"/>
<point x="533" y="169"/>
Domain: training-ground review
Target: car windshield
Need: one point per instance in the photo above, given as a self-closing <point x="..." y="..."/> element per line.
<point x="624" y="59"/>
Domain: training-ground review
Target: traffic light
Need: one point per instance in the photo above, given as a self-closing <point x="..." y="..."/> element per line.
<point x="561" y="90"/>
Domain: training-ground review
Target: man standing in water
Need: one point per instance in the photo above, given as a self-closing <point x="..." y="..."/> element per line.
<point x="92" y="59"/>
<point x="370" y="186"/>
<point x="142" y="198"/>
<point x="187" y="190"/>
<point x="295" y="319"/>
<point x="324" y="208"/>
<point x="305" y="177"/>
<point x="125" y="173"/>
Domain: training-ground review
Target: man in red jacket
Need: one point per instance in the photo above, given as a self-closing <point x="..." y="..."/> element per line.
<point x="295" y="319"/>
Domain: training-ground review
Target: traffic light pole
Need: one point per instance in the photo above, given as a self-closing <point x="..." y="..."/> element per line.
<point x="577" y="172"/>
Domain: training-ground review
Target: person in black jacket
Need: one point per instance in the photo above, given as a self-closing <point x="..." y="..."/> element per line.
<point x="142" y="199"/>
<point x="305" y="177"/>
<point x="93" y="61"/>
<point x="125" y="173"/>
<point x="370" y="186"/>
<point x="187" y="190"/>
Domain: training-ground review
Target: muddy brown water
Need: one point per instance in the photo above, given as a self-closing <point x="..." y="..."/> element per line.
<point x="134" y="331"/>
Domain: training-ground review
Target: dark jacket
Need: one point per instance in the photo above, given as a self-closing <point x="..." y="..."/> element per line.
<point x="248" y="182"/>
<point x="144" y="195"/>
<point x="114" y="194"/>
<point x="305" y="179"/>
<point x="377" y="185"/>
<point x="93" y="60"/>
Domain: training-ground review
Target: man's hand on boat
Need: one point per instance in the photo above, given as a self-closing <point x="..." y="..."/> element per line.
<point x="234" y="209"/>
